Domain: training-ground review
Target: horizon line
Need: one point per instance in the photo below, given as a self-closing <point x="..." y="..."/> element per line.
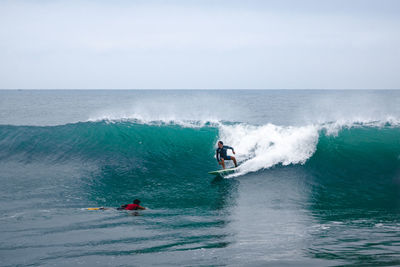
<point x="192" y="89"/>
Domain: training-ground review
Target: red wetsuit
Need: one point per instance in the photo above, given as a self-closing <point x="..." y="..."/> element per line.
<point x="132" y="207"/>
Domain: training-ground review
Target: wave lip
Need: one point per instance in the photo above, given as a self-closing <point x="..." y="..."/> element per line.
<point x="159" y="119"/>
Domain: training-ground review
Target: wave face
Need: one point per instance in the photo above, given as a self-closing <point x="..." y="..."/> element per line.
<point x="364" y="158"/>
<point x="160" y="163"/>
<point x="164" y="145"/>
<point x="358" y="168"/>
<point x="121" y="142"/>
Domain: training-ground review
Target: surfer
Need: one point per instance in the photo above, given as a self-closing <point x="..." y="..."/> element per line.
<point x="134" y="206"/>
<point x="222" y="156"/>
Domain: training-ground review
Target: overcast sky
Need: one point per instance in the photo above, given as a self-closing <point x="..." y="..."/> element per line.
<point x="260" y="44"/>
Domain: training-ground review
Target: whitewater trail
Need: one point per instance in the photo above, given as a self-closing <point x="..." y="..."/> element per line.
<point x="264" y="146"/>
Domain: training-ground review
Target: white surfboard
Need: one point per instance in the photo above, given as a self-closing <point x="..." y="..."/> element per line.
<point x="223" y="172"/>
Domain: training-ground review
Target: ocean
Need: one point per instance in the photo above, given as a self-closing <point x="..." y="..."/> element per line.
<point x="318" y="182"/>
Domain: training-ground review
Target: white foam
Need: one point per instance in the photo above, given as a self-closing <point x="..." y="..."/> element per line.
<point x="261" y="147"/>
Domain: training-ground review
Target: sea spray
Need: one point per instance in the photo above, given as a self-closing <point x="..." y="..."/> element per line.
<point x="261" y="147"/>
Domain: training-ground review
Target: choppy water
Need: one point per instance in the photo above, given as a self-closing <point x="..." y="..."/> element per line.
<point x="318" y="183"/>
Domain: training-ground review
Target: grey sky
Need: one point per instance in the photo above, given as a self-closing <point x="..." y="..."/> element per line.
<point x="200" y="44"/>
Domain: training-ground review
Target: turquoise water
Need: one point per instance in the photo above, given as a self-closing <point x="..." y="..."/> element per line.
<point x="318" y="182"/>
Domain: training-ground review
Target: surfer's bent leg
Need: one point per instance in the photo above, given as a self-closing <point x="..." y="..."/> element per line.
<point x="222" y="162"/>
<point x="234" y="160"/>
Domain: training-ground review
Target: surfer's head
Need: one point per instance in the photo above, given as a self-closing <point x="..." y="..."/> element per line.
<point x="220" y="144"/>
<point x="136" y="201"/>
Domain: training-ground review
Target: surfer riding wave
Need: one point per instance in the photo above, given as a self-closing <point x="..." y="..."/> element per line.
<point x="221" y="154"/>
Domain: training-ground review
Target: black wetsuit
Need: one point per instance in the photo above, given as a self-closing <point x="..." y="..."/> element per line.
<point x="221" y="153"/>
